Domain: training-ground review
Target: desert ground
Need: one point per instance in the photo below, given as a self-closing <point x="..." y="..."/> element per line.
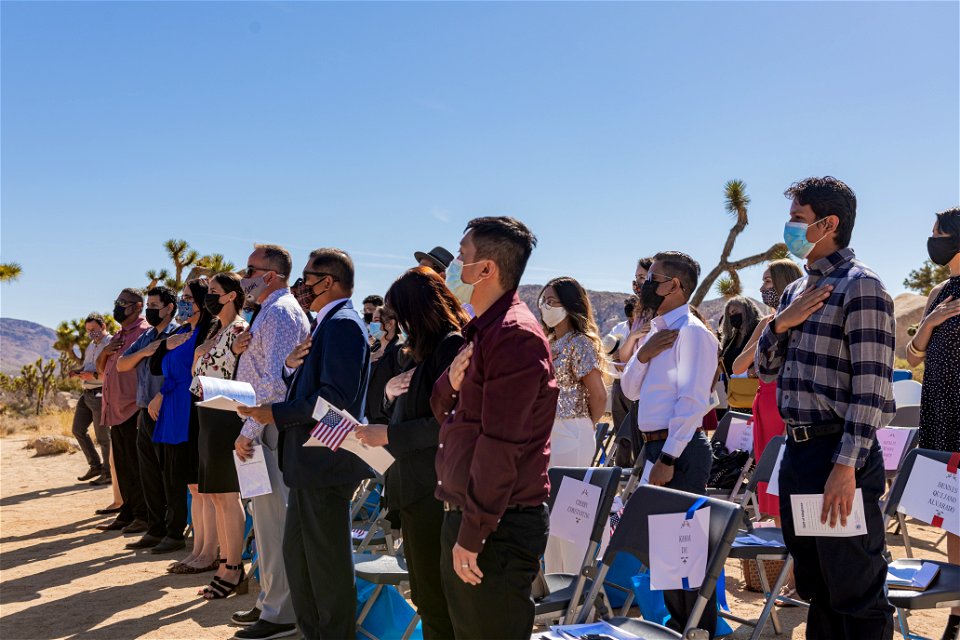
<point x="61" y="578"/>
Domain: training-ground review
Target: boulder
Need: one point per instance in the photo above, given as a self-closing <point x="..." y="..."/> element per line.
<point x="52" y="445"/>
<point x="908" y="309"/>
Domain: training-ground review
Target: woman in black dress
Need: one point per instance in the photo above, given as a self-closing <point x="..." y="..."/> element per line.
<point x="218" y="432"/>
<point x="432" y="318"/>
<point x="937" y="345"/>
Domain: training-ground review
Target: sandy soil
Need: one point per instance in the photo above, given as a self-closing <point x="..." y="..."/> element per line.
<point x="61" y="578"/>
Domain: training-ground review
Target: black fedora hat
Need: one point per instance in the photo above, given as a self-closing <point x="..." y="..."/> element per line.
<point x="440" y="256"/>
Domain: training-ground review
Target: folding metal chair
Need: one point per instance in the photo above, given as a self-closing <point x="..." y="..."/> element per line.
<point x="383" y="571"/>
<point x="602" y="435"/>
<point x="907" y="415"/>
<point x="907" y="392"/>
<point x="720" y="435"/>
<point x="944" y="591"/>
<point x="632" y="537"/>
<point x="565" y="589"/>
<point x="891" y="474"/>
<point x="775" y="551"/>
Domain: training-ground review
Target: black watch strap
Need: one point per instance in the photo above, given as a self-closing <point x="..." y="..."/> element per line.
<point x="667" y="459"/>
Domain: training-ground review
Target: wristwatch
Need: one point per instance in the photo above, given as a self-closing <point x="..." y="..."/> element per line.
<point x="667" y="459"/>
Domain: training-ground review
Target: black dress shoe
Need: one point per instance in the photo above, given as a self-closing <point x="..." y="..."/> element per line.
<point x="137" y="526"/>
<point x="106" y="512"/>
<point x="116" y="525"/>
<point x="91" y="473"/>
<point x="168" y="545"/>
<point x="246" y="618"/>
<point x="264" y="630"/>
<point x="146" y="542"/>
<point x="101" y="481"/>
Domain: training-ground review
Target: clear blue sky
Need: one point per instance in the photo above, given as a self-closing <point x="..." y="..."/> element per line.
<point x="382" y="128"/>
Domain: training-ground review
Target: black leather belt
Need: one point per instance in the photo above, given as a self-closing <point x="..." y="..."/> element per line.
<point x="449" y="506"/>
<point x="804" y="432"/>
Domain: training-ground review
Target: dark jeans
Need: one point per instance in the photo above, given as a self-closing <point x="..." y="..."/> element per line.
<point x="124" y="439"/>
<point x="151" y="476"/>
<point x="421" y="523"/>
<point x="87" y="411"/>
<point x="690" y="474"/>
<point x="500" y="606"/>
<point x="843" y="578"/>
<point x="318" y="557"/>
<point x="179" y="470"/>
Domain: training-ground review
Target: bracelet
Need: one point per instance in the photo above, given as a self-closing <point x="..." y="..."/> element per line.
<point x="916" y="352"/>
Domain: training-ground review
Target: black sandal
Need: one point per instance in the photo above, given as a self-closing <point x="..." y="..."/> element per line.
<point x="220" y="588"/>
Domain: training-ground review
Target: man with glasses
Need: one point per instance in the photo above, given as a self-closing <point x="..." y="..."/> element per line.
<point x="120" y="411"/>
<point x="671" y="376"/>
<point x="333" y="363"/>
<point x="274" y="332"/>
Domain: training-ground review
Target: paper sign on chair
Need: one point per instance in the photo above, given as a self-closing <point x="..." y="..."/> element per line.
<point x="575" y="511"/>
<point x="679" y="560"/>
<point x="932" y="494"/>
<point x="740" y="435"/>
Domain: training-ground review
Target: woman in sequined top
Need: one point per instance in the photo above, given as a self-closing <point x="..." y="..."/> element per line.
<point x="567" y="319"/>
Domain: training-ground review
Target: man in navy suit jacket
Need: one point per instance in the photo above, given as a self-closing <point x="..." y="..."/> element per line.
<point x="333" y="363"/>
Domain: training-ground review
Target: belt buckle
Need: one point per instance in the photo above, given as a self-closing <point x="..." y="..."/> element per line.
<point x="801" y="433"/>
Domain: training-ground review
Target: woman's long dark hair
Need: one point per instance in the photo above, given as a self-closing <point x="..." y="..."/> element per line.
<point x="425" y="309"/>
<point x="206" y="324"/>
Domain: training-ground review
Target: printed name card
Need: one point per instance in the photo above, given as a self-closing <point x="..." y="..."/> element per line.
<point x="892" y="441"/>
<point x="575" y="511"/>
<point x="932" y="493"/>
<point x="773" y="487"/>
<point x="679" y="560"/>
<point x="740" y="435"/>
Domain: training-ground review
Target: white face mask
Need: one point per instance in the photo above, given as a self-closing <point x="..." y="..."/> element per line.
<point x="552" y="316"/>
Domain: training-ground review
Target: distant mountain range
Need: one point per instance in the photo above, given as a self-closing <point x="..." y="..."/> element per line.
<point x="22" y="342"/>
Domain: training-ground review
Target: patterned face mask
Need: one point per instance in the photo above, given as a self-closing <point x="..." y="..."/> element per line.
<point x="304" y="294"/>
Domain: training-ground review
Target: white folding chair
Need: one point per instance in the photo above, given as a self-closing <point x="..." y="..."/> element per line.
<point x="907" y="392"/>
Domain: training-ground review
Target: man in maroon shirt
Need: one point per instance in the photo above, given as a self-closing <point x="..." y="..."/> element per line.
<point x="496" y="405"/>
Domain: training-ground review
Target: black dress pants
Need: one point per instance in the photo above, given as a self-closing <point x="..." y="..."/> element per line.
<point x="318" y="558"/>
<point x="151" y="476"/>
<point x="843" y="578"/>
<point x="179" y="470"/>
<point x="123" y="438"/>
<point x="500" y="606"/>
<point x="421" y="523"/>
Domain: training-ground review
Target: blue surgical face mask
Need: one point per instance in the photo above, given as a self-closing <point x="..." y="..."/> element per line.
<point x="247" y="315"/>
<point x="459" y="288"/>
<point x="376" y="330"/>
<point x="795" y="237"/>
<point x="184" y="310"/>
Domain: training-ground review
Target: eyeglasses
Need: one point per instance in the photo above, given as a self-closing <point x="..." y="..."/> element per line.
<point x="123" y="304"/>
<point x="319" y="274"/>
<point x="250" y="270"/>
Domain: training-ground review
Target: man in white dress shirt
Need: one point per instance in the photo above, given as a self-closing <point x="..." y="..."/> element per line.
<point x="671" y="375"/>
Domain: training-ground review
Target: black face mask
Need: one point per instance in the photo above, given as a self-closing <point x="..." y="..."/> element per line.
<point x="119" y="313"/>
<point x="153" y="317"/>
<point x="211" y="303"/>
<point x="736" y="320"/>
<point x="942" y="249"/>
<point x="649" y="297"/>
<point x="367" y="318"/>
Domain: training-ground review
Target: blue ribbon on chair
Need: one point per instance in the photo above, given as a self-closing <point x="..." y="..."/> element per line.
<point x="693" y="508"/>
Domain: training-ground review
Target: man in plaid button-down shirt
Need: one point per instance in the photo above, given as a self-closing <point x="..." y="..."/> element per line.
<point x="830" y="349"/>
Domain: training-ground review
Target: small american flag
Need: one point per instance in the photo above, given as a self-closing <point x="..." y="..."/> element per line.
<point x="333" y="428"/>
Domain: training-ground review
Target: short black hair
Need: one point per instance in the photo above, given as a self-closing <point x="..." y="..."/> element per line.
<point x="374" y="299"/>
<point x="96" y="317"/>
<point x="506" y="241"/>
<point x="828" y="196"/>
<point x="646" y="263"/>
<point x="336" y="262"/>
<point x="133" y="291"/>
<point x="166" y="294"/>
<point x="630" y="304"/>
<point x="277" y="258"/>
<point x="679" y="265"/>
<point x="949" y="222"/>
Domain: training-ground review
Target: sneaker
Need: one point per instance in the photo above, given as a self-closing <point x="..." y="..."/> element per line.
<point x="246" y="618"/>
<point x="104" y="479"/>
<point x="91" y="473"/>
<point x="263" y="630"/>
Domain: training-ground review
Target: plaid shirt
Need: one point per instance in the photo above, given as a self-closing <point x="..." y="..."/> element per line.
<point x="839" y="363"/>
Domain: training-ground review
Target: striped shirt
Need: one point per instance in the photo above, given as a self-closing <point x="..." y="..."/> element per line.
<point x="838" y="364"/>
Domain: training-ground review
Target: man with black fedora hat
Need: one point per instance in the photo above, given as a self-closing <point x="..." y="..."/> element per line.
<point x="437" y="259"/>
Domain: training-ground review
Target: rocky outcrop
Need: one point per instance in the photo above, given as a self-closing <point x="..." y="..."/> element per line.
<point x="52" y="445"/>
<point x="908" y="308"/>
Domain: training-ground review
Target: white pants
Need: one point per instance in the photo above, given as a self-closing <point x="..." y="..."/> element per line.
<point x="572" y="442"/>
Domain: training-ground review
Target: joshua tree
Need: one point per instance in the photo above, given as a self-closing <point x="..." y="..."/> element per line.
<point x="72" y="339"/>
<point x="156" y="277"/>
<point x="183" y="256"/>
<point x="10" y="271"/>
<point x="211" y="264"/>
<point x="735" y="194"/>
